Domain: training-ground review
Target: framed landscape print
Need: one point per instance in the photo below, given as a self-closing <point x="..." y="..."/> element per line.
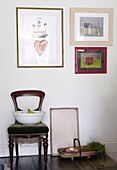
<point x="91" y="26"/>
<point x="39" y="37"/>
<point x="90" y="60"/>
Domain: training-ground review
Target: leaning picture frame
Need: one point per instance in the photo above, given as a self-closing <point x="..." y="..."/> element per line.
<point x="91" y="26"/>
<point x="62" y="132"/>
<point x="90" y="60"/>
<point x="39" y="37"/>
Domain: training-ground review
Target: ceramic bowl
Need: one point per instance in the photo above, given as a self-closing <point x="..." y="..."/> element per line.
<point x="29" y="118"/>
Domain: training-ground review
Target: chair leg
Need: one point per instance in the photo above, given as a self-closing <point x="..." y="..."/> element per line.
<point x="45" y="145"/>
<point x="40" y="147"/>
<point x="11" y="145"/>
<point x="16" y="147"/>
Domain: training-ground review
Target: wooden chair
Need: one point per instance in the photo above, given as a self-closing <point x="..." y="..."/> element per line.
<point x="19" y="132"/>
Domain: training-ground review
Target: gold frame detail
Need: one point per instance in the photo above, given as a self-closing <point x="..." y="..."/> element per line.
<point x="60" y="42"/>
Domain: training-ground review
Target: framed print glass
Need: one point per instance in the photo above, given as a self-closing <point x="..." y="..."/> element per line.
<point x="39" y="37"/>
<point x="91" y="26"/>
<point x="90" y="60"/>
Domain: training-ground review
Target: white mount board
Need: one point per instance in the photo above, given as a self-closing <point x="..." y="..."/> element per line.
<point x="64" y="128"/>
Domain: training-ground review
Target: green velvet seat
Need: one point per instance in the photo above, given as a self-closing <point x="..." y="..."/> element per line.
<point x="19" y="133"/>
<point x="19" y="129"/>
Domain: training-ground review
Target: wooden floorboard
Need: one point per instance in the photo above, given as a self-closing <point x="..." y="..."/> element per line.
<point x="58" y="163"/>
<point x="16" y="163"/>
<point x="41" y="165"/>
<point x="109" y="162"/>
<point x="103" y="163"/>
<point x="2" y="161"/>
<point x="69" y="164"/>
<point x="55" y="163"/>
<point x="27" y="163"/>
<point x="96" y="163"/>
<point x="83" y="164"/>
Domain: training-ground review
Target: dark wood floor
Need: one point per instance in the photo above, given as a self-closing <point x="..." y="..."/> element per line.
<point x="57" y="163"/>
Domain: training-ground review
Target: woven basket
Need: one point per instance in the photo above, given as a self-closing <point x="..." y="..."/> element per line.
<point x="79" y="151"/>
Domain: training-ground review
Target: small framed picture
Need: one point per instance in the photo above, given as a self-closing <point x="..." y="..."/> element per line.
<point x="91" y="26"/>
<point x="90" y="60"/>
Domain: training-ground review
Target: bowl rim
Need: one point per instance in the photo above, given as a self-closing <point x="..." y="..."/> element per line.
<point x="21" y="113"/>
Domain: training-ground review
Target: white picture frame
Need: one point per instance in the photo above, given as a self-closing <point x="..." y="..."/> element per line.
<point x="91" y="26"/>
<point x="39" y="37"/>
<point x="64" y="128"/>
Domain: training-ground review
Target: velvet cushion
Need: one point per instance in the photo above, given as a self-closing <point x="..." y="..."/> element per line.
<point x="20" y="129"/>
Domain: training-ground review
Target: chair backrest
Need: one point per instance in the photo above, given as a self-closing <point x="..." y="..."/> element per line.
<point x="37" y="93"/>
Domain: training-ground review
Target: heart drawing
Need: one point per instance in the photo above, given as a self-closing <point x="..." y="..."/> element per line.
<point x="40" y="46"/>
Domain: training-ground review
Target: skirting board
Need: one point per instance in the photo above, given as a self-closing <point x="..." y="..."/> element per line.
<point x="63" y="128"/>
<point x="24" y="149"/>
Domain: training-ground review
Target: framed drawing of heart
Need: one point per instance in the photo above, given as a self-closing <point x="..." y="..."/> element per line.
<point x="39" y="37"/>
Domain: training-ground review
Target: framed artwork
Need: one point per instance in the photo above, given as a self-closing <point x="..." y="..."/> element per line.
<point x="39" y="37"/>
<point x="90" y="60"/>
<point x="64" y="127"/>
<point x="91" y="26"/>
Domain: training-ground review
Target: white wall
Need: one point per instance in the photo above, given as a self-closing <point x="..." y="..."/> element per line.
<point x="95" y="95"/>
